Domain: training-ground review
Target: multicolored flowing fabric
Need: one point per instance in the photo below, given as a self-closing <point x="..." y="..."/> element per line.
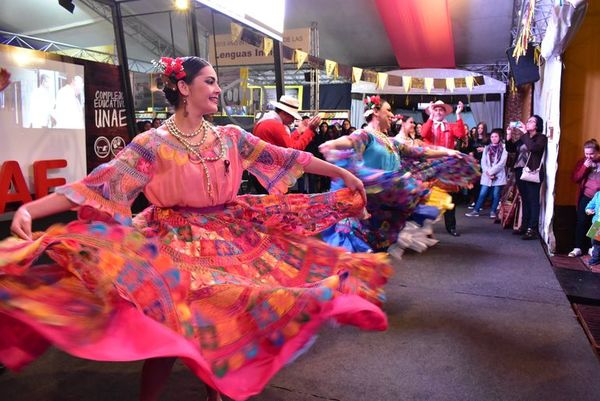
<point x="236" y="290"/>
<point x="393" y="195"/>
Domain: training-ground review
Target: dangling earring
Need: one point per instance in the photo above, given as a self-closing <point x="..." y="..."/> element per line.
<point x="185" y="112"/>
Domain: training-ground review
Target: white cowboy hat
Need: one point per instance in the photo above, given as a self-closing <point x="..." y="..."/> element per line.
<point x="289" y="104"/>
<point x="440" y="103"/>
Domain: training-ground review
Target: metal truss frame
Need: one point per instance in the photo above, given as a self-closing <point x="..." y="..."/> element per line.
<point x="50" y="46"/>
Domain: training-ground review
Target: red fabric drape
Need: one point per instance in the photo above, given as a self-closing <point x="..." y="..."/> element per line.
<point x="420" y="32"/>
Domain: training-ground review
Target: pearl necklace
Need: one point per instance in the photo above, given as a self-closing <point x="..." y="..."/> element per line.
<point x="204" y="127"/>
<point x="191" y="148"/>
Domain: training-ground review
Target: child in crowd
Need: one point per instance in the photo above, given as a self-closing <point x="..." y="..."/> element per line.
<point x="593" y="208"/>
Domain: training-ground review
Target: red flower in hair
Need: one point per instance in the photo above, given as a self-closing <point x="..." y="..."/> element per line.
<point x="173" y="67"/>
<point x="372" y="101"/>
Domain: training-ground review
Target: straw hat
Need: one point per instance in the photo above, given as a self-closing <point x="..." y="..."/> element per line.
<point x="288" y="104"/>
<point x="440" y="103"/>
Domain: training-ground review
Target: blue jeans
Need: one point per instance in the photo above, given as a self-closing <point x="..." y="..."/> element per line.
<point x="483" y="192"/>
<point x="595" y="253"/>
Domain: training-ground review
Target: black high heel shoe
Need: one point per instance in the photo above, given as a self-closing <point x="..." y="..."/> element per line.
<point x="530" y="234"/>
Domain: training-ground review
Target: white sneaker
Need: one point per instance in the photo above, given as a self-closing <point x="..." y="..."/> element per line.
<point x="575" y="253"/>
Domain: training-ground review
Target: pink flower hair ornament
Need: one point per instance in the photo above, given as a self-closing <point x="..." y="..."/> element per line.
<point x="172" y="68"/>
<point x="372" y="102"/>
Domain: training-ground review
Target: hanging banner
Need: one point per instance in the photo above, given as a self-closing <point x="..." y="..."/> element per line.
<point x="300" y="57"/>
<point x="331" y="68"/>
<point x="267" y="46"/>
<point x="469" y="80"/>
<point x="381" y="80"/>
<point x="236" y="31"/>
<point x="428" y="84"/>
<point x="234" y="53"/>
<point x="356" y="74"/>
<point x="406" y="83"/>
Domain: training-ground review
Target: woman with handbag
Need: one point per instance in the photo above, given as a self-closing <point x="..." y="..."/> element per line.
<point x="529" y="171"/>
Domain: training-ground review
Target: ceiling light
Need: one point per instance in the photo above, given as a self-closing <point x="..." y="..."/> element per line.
<point x="182" y="4"/>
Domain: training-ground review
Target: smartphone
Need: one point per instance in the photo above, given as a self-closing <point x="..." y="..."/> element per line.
<point x="514" y="124"/>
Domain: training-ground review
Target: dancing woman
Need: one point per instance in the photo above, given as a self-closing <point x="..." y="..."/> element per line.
<point x="234" y="286"/>
<point x="397" y="178"/>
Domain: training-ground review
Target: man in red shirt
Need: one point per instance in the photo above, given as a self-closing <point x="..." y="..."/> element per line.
<point x="438" y="132"/>
<point x="273" y="127"/>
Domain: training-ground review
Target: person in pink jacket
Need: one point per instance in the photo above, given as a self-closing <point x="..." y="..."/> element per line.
<point x="587" y="175"/>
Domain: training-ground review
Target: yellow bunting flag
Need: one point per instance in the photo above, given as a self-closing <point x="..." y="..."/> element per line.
<point x="300" y="57"/>
<point x="267" y="46"/>
<point x="450" y="84"/>
<point x="428" y="84"/>
<point x="381" y="80"/>
<point x="406" y="83"/>
<point x="469" y="80"/>
<point x="331" y="68"/>
<point x="236" y="31"/>
<point x="244" y="73"/>
<point x="356" y="74"/>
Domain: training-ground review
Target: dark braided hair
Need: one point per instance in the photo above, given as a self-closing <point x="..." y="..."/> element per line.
<point x="192" y="67"/>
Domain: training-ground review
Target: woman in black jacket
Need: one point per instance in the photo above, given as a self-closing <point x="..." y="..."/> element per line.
<point x="530" y="149"/>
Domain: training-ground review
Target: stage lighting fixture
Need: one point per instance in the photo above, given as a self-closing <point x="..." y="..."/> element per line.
<point x="67" y="5"/>
<point x="182" y="4"/>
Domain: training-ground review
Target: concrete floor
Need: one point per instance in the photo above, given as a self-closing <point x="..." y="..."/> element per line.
<point x="478" y="317"/>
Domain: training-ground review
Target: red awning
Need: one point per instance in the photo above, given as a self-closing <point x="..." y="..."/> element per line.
<point x="420" y="32"/>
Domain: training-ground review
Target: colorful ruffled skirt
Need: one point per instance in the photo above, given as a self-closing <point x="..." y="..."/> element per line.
<point x="392" y="197"/>
<point x="235" y="291"/>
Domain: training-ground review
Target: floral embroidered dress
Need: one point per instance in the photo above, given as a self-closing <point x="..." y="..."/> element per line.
<point x="233" y="285"/>
<point x="397" y="178"/>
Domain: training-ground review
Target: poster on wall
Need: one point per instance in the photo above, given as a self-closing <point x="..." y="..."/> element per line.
<point x="106" y="115"/>
<point x="59" y="117"/>
<point x="41" y="120"/>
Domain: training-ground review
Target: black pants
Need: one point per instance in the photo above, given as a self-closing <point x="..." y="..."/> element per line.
<point x="450" y="215"/>
<point x="530" y="197"/>
<point x="584" y="222"/>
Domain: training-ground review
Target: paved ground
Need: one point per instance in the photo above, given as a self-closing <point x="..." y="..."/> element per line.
<point x="480" y="317"/>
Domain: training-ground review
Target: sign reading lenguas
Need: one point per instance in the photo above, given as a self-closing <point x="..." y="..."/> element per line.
<point x="230" y="53"/>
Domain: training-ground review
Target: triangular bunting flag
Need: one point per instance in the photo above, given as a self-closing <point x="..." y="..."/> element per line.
<point x="244" y="73"/>
<point x="331" y="68"/>
<point x="469" y="80"/>
<point x="381" y="80"/>
<point x="356" y="74"/>
<point x="236" y="31"/>
<point x="267" y="46"/>
<point x="406" y="83"/>
<point x="429" y="84"/>
<point x="300" y="57"/>
<point x="450" y="84"/>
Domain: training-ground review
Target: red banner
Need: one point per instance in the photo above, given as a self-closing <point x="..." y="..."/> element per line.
<point x="420" y="32"/>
